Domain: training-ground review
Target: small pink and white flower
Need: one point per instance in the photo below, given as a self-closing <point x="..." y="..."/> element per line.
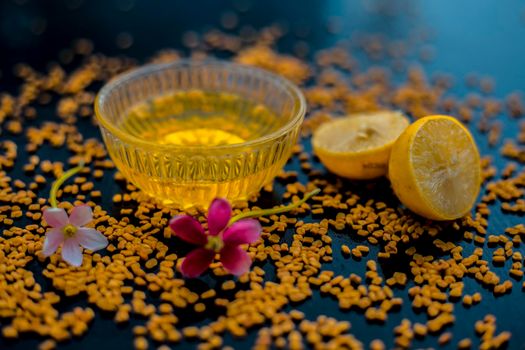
<point x="71" y="233"/>
<point x="220" y="238"/>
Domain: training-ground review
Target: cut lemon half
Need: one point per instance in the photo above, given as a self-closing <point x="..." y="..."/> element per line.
<point x="358" y="146"/>
<point x="435" y="168"/>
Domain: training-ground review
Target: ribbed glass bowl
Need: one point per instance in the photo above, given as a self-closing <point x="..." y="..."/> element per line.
<point x="194" y="175"/>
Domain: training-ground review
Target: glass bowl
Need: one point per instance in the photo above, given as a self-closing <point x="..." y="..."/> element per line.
<point x="145" y="115"/>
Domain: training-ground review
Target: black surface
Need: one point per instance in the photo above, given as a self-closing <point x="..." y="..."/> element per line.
<point x="468" y="36"/>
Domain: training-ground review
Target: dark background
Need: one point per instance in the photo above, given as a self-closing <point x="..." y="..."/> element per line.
<point x="469" y="36"/>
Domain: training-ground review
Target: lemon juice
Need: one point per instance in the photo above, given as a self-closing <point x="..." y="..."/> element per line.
<point x="197" y="118"/>
<point x="192" y="122"/>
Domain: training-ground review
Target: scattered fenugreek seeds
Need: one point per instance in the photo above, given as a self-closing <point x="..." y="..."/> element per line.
<point x="143" y="254"/>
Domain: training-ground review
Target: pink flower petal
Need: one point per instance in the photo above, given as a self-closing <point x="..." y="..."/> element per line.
<point x="196" y="262"/>
<point x="56" y="217"/>
<point x="71" y="252"/>
<point x="188" y="229"/>
<point x="219" y="214"/>
<point x="91" y="239"/>
<point x="235" y="260"/>
<point x="53" y="239"/>
<point x="81" y="215"/>
<point x="243" y="231"/>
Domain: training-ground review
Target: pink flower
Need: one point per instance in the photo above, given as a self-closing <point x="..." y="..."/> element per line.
<point x="220" y="239"/>
<point x="69" y="232"/>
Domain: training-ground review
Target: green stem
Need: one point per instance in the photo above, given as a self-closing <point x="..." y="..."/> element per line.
<point x="279" y="210"/>
<point x="60" y="181"/>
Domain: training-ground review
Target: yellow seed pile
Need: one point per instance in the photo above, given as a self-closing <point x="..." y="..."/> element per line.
<point x="394" y="261"/>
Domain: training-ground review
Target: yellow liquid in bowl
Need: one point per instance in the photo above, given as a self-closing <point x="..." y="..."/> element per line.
<point x="201" y="137"/>
<point x="191" y="176"/>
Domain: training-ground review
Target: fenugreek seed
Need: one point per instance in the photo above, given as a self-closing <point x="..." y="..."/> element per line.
<point x="151" y="263"/>
<point x="48" y="344"/>
<point x="377" y="344"/>
<point x="297" y="315"/>
<point x="498" y="259"/>
<point x="476" y="297"/>
<point x="420" y="329"/>
<point x="363" y="249"/>
<point x="228" y="285"/>
<point x="165" y="308"/>
<point x="445" y="338"/>
<point x="455" y="292"/>
<point x="140" y="343"/>
<point x="9" y="332"/>
<point x="208" y="294"/>
<point x="467" y="300"/>
<point x="465" y="344"/>
<point x="190" y="332"/>
<point x="199" y="307"/>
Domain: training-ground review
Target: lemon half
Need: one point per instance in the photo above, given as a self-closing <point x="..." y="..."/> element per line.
<point x="358" y="146"/>
<point x="435" y="168"/>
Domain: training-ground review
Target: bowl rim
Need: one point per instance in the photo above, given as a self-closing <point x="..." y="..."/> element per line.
<point x="146" y="69"/>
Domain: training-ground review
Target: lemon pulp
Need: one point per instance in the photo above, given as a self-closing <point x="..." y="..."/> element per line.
<point x="435" y="168"/>
<point x="358" y="146"/>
